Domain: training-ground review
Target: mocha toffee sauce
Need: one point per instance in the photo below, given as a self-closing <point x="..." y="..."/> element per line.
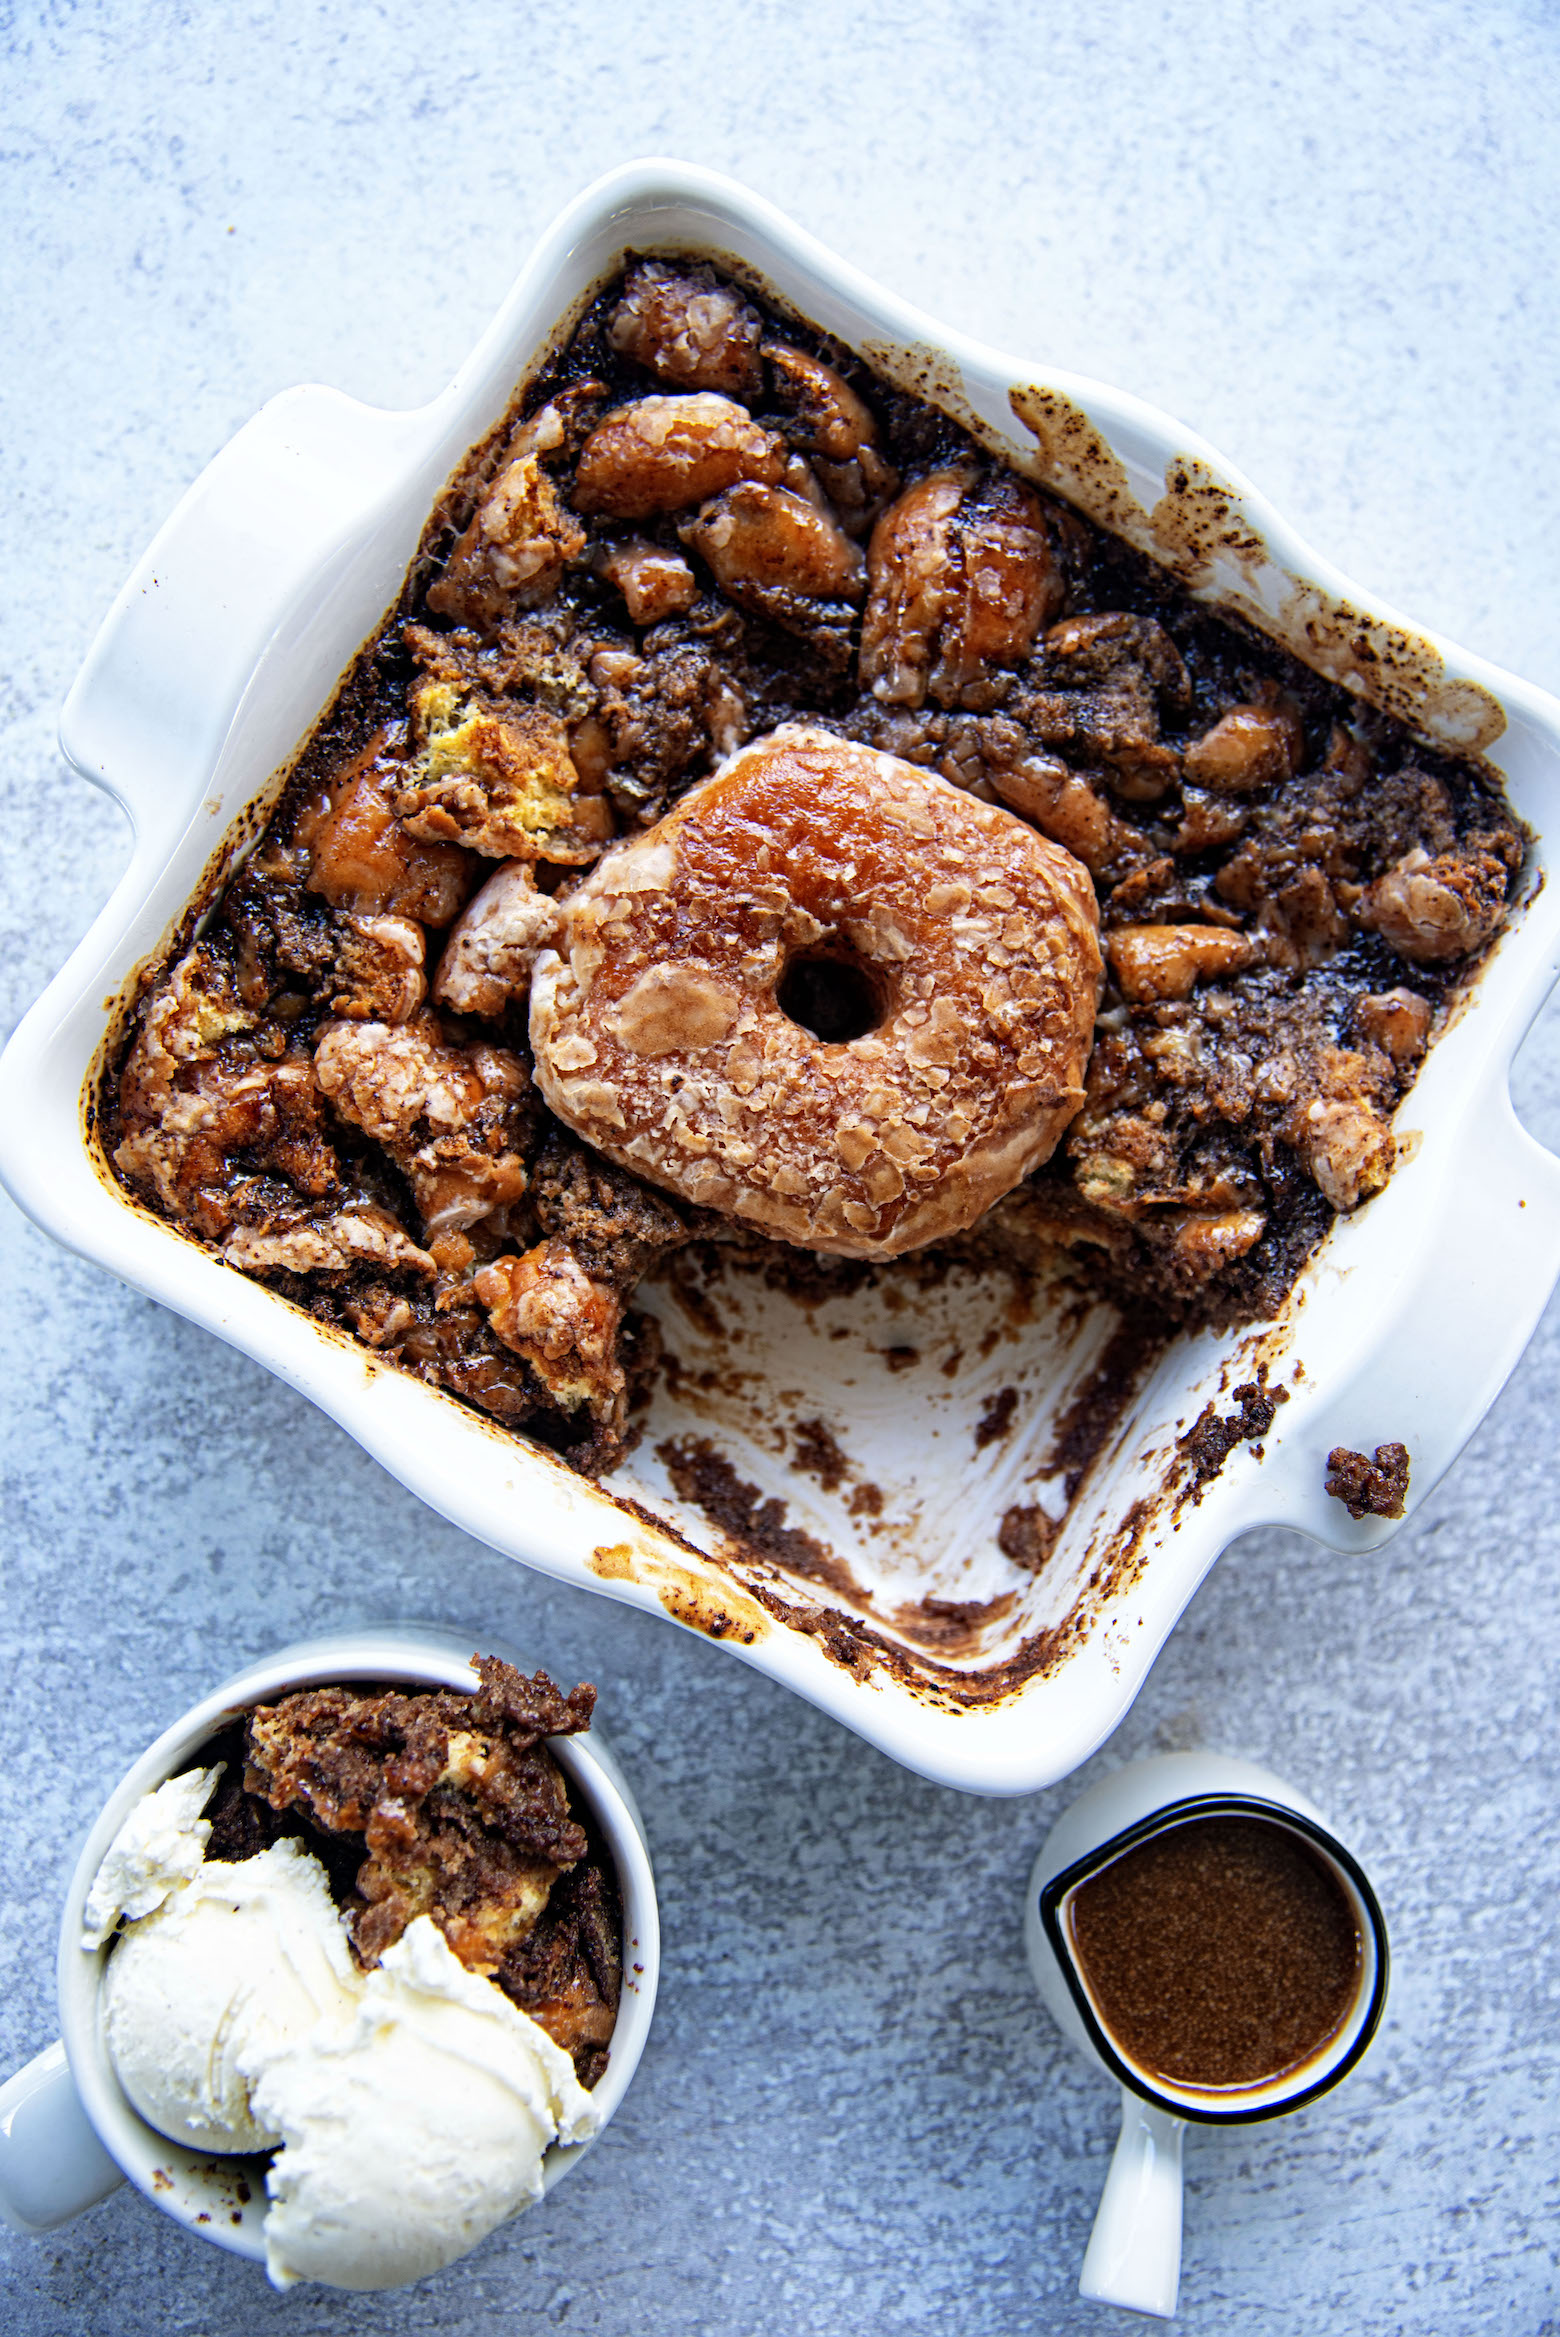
<point x="1223" y="1953"/>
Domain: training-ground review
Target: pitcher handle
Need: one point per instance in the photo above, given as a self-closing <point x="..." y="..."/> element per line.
<point x="1134" y="2253"/>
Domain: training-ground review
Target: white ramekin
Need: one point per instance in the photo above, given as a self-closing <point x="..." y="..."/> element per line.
<point x="213" y="665"/>
<point x="67" y="2129"/>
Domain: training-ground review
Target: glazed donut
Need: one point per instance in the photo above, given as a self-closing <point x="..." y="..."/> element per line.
<point x="828" y="994"/>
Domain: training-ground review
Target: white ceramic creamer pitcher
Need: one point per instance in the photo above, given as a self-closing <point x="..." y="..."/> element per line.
<point x="1134" y="2252"/>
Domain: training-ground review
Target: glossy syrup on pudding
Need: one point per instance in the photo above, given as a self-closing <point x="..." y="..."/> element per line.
<point x="1221" y="1954"/>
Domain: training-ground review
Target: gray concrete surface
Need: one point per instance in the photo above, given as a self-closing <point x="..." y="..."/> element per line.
<point x="1322" y="236"/>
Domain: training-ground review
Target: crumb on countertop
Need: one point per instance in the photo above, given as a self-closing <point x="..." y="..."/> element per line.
<point x="1369" y="1488"/>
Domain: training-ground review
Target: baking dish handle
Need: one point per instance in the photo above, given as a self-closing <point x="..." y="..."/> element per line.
<point x="271" y="514"/>
<point x="1495" y="1240"/>
<point x="1498" y="1262"/>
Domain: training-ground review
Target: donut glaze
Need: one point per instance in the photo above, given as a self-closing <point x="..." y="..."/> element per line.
<point x="855" y="888"/>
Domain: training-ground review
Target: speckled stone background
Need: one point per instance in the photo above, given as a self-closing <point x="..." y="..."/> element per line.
<point x="1326" y="236"/>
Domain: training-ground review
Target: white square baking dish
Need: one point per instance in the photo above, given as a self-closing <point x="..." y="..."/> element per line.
<point x="907" y="1623"/>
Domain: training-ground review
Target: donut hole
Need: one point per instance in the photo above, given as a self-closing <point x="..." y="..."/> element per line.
<point x="833" y="993"/>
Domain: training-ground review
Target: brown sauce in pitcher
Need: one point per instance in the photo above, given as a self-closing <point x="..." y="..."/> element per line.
<point x="1220" y="1954"/>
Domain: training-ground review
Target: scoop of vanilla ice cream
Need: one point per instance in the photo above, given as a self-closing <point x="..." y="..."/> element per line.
<point x="415" y="2129"/>
<point x="159" y="1846"/>
<point x="236" y="1964"/>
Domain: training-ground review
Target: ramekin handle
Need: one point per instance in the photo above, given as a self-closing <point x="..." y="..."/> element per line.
<point x="1134" y="2252"/>
<point x="52" y="2165"/>
<point x="153" y="703"/>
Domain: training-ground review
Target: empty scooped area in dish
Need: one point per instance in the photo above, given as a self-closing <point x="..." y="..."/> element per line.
<point x="916" y="1458"/>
